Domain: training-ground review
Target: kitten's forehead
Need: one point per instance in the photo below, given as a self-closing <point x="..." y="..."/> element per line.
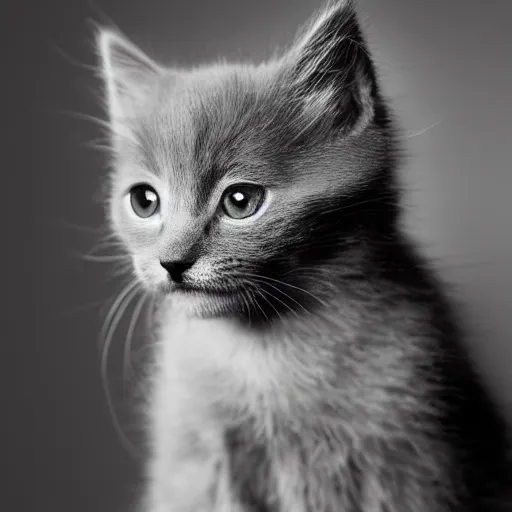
<point x="206" y="122"/>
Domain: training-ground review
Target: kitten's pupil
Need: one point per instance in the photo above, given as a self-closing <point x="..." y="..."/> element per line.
<point x="144" y="200"/>
<point x="242" y="201"/>
<point x="239" y="199"/>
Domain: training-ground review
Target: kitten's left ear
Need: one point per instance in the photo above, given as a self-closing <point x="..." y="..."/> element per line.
<point x="332" y="73"/>
<point x="128" y="73"/>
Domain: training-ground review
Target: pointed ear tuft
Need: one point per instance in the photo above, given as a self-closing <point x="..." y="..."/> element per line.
<point x="331" y="70"/>
<point x="128" y="73"/>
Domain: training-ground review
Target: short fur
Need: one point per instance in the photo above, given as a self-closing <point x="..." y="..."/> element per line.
<point x="321" y="368"/>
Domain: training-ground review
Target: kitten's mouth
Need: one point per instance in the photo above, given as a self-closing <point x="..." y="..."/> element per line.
<point x="205" y="301"/>
<point x="198" y="290"/>
<point x="203" y="290"/>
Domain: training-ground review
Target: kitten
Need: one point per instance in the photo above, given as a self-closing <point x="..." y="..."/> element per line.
<point x="308" y="359"/>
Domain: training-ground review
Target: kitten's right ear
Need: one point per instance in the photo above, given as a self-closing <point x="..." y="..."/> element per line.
<point x="128" y="74"/>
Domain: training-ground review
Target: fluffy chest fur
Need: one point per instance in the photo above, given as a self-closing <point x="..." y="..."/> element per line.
<point x="259" y="426"/>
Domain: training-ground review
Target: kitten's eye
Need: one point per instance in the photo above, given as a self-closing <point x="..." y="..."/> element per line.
<point x="242" y="201"/>
<point x="144" y="200"/>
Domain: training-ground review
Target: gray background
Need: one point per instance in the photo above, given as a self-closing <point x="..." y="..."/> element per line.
<point x="446" y="64"/>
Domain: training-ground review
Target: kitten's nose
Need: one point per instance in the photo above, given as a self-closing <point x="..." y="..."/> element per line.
<point x="176" y="269"/>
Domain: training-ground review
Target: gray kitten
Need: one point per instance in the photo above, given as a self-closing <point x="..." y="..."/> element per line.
<point x="308" y="360"/>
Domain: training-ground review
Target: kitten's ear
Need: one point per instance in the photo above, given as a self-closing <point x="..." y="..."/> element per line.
<point x="128" y="73"/>
<point x="331" y="70"/>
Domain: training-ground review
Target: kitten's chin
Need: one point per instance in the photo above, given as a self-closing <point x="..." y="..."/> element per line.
<point x="208" y="305"/>
<point x="205" y="303"/>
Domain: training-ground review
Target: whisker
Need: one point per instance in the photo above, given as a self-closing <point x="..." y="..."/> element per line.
<point x="283" y="303"/>
<point x="262" y="295"/>
<point x="421" y="132"/>
<point x="119" y="308"/>
<point x="79" y="309"/>
<point x="106" y="259"/>
<point x="106" y="244"/>
<point x="287" y="284"/>
<point x="87" y="117"/>
<point x="255" y="279"/>
<point x="247" y="304"/>
<point x="256" y="303"/>
<point x="122" y="270"/>
<point x="71" y="60"/>
<point x="103" y="147"/>
<point x="112" y="311"/>
<point x="129" y="336"/>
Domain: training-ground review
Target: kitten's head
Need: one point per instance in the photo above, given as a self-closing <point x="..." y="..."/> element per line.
<point x="244" y="189"/>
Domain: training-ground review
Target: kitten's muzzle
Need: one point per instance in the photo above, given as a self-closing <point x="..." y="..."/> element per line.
<point x="176" y="269"/>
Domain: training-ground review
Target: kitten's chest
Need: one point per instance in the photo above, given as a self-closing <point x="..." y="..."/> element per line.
<point x="278" y="424"/>
<point x="296" y="378"/>
<point x="223" y="365"/>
